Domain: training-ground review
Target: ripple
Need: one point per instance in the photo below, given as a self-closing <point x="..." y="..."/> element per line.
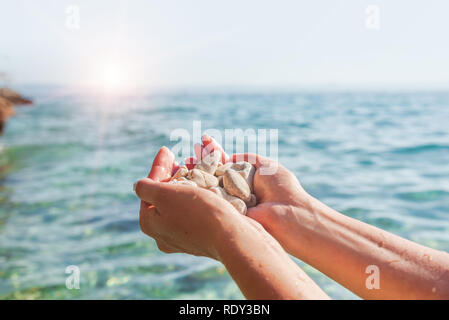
<point x="420" y="148"/>
<point x="68" y="164"/>
<point x="423" y="196"/>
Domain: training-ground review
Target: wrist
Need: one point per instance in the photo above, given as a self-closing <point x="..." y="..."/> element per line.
<point x="308" y="228"/>
<point x="226" y="227"/>
<point x="240" y="237"/>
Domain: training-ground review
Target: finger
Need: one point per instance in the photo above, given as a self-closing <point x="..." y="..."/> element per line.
<point x="211" y="144"/>
<point x="254" y="159"/>
<point x="165" y="247"/>
<point x="161" y="194"/>
<point x="175" y="168"/>
<point x="151" y="191"/>
<point x="152" y="222"/>
<point x="146" y="221"/>
<point x="162" y="165"/>
<point x="199" y="149"/>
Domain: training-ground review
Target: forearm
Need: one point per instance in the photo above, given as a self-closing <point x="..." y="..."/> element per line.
<point x="343" y="248"/>
<point x="260" y="267"/>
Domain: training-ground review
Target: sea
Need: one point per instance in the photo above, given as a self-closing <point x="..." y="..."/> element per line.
<point x="69" y="161"/>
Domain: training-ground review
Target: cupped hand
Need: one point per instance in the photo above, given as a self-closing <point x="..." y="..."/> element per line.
<point x="189" y="219"/>
<point x="181" y="218"/>
<point x="279" y="197"/>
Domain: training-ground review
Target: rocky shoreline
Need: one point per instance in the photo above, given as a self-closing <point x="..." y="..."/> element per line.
<point x="9" y="99"/>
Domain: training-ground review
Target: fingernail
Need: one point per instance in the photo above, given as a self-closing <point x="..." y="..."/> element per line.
<point x="134" y="186"/>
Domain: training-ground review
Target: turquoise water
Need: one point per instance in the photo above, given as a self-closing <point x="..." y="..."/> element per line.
<point x="69" y="162"/>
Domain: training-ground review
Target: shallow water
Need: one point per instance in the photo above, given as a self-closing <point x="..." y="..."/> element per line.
<point x="69" y="162"/>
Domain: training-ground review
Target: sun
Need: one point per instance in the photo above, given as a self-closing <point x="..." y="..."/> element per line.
<point x="112" y="76"/>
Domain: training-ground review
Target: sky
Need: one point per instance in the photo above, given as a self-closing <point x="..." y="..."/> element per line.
<point x="170" y="43"/>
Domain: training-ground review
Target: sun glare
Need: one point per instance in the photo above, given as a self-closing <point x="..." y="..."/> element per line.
<point x="112" y="77"/>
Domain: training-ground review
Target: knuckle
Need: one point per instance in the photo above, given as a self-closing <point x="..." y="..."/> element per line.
<point x="138" y="187"/>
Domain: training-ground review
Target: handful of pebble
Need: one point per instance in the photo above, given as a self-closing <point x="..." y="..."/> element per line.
<point x="231" y="181"/>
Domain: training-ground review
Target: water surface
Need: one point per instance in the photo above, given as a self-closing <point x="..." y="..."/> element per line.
<point x="69" y="162"/>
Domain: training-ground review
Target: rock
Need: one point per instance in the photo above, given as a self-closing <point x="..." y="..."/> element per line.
<point x="252" y="202"/>
<point x="182" y="172"/>
<point x="231" y="181"/>
<point x="184" y="181"/>
<point x="222" y="169"/>
<point x="202" y="179"/>
<point x="210" y="162"/>
<point x="237" y="203"/>
<point x="13" y="96"/>
<point x="247" y="171"/>
<point x="6" y="111"/>
<point x="236" y="185"/>
<point x="219" y="191"/>
<point x="8" y="99"/>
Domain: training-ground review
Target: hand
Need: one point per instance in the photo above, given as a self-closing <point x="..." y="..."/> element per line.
<point x="181" y="218"/>
<point x="279" y="194"/>
<point x="342" y="247"/>
<point x="193" y="220"/>
<point x="279" y="198"/>
<point x="201" y="150"/>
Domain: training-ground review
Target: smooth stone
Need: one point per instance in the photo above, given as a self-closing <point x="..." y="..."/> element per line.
<point x="220" y="191"/>
<point x="210" y="162"/>
<point x="184" y="181"/>
<point x="237" y="203"/>
<point x="202" y="178"/>
<point x="182" y="172"/>
<point x="236" y="185"/>
<point x="252" y="202"/>
<point x="222" y="169"/>
<point x="247" y="171"/>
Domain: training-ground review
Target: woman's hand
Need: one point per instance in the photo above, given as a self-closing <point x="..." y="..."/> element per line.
<point x="196" y="221"/>
<point x="349" y="251"/>
<point x="181" y="218"/>
<point x="279" y="193"/>
<point x="280" y="197"/>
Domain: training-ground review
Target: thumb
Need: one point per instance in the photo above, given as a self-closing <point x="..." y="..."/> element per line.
<point x="259" y="214"/>
<point x="152" y="191"/>
<point x="253" y="213"/>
